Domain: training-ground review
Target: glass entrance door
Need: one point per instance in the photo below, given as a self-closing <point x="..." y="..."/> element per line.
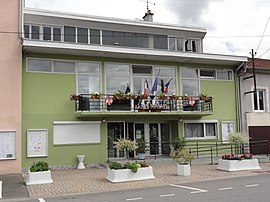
<point x="154" y="137"/>
<point x="116" y="131"/>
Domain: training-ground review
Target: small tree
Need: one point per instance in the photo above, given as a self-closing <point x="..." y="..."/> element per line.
<point x="238" y="139"/>
<point x="126" y="146"/>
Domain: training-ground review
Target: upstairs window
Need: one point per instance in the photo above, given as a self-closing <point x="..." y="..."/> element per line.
<point x="82" y="35"/>
<point x="191" y="45"/>
<point x="207" y="74"/>
<point x="35" y="32"/>
<point x="69" y="34"/>
<point x="259" y="100"/>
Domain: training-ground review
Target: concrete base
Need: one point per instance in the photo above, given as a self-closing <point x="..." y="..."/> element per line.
<point x="124" y="175"/>
<point x="43" y="177"/>
<point x="183" y="169"/>
<point x="238" y="165"/>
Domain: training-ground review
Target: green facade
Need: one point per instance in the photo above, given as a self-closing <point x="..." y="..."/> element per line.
<point x="46" y="99"/>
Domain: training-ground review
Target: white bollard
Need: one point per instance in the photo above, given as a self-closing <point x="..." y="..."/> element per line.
<point x="0" y="189"/>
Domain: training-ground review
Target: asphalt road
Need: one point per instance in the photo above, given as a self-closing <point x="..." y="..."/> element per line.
<point x="246" y="189"/>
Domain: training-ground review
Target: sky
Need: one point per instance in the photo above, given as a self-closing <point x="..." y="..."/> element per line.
<point x="234" y="27"/>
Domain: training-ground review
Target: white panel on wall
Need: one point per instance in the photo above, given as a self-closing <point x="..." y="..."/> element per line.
<point x="37" y="142"/>
<point x="77" y="132"/>
<point x="7" y="145"/>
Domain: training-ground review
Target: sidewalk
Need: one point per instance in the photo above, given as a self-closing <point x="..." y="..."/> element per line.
<point x="90" y="180"/>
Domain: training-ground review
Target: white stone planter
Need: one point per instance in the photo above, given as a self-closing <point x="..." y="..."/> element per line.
<point x="43" y="177"/>
<point x="237" y="165"/>
<point x="124" y="175"/>
<point x="183" y="169"/>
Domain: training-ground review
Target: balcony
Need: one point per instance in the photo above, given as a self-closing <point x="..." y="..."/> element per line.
<point x="87" y="105"/>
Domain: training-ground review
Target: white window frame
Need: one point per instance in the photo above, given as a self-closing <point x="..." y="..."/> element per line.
<point x="190" y="79"/>
<point x="225" y="133"/>
<point x="266" y="98"/>
<point x="204" y="129"/>
<point x="215" y="76"/>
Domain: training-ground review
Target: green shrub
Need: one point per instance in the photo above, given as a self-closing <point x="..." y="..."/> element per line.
<point x="133" y="167"/>
<point x="115" y="165"/>
<point x="39" y="166"/>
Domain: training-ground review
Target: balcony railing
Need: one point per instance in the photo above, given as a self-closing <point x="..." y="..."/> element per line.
<point x="139" y="103"/>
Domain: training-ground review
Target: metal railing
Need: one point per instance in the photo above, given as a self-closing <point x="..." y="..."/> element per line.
<point x="138" y="103"/>
<point x="209" y="149"/>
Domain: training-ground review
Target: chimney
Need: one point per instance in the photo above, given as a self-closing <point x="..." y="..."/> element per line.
<point x="148" y="16"/>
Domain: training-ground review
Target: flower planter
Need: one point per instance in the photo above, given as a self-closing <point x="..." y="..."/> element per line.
<point x="124" y="175"/>
<point x="43" y="177"/>
<point x="237" y="165"/>
<point x="183" y="169"/>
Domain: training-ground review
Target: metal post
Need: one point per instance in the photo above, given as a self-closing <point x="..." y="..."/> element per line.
<point x="197" y="148"/>
<point x="211" y="156"/>
<point x="231" y="148"/>
<point x="216" y="148"/>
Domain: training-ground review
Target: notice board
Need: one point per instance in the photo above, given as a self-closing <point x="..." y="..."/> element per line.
<point x="7" y="145"/>
<point x="37" y="142"/>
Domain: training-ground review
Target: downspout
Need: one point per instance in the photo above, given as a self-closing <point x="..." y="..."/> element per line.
<point x="238" y="95"/>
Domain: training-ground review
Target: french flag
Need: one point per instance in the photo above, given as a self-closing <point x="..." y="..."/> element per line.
<point x="146" y="87"/>
<point x="166" y="90"/>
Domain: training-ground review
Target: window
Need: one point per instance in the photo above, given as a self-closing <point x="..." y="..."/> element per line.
<point x="38" y="65"/>
<point x="117" y="77"/>
<point x="88" y="77"/>
<point x="200" y="130"/>
<point x="35" y="32"/>
<point x="56" y="34"/>
<point x="26" y="31"/>
<point x="94" y="36"/>
<point x="47" y="33"/>
<point x="224" y="75"/>
<point x="191" y="45"/>
<point x="69" y="34"/>
<point x="207" y="74"/>
<point x="259" y="100"/>
<point x="138" y="69"/>
<point x="189" y="81"/>
<point x="64" y="67"/>
<point x="82" y="35"/>
<point x="160" y="42"/>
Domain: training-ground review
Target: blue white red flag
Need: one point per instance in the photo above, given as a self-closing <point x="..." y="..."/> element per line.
<point x="154" y="87"/>
<point x="166" y="90"/>
<point x="146" y="88"/>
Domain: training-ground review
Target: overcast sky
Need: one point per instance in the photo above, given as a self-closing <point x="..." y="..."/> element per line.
<point x="234" y="27"/>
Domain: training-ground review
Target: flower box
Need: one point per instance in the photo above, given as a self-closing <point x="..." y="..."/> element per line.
<point x="124" y="175"/>
<point x="43" y="177"/>
<point x="238" y="165"/>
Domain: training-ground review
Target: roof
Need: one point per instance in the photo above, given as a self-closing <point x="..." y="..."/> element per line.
<point x="259" y="63"/>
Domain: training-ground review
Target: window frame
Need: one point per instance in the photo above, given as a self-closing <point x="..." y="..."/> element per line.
<point x="265" y="99"/>
<point x="204" y="122"/>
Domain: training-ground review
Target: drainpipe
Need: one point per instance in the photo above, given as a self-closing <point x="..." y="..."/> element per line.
<point x="238" y="95"/>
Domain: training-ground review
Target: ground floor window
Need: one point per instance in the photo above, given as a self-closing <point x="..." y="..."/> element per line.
<point x="200" y="129"/>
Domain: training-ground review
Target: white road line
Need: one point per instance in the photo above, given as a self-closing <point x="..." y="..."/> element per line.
<point x="41" y="200"/>
<point x="133" y="199"/>
<point x="225" y="188"/>
<point x="166" y="195"/>
<point x="252" y="185"/>
<point x="0" y="189"/>
<point x="196" y="190"/>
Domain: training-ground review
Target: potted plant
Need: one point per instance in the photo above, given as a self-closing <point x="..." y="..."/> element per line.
<point x="162" y="96"/>
<point x="126" y="146"/>
<point x="39" y="173"/>
<point x="95" y="95"/>
<point x="231" y="162"/>
<point x="118" y="172"/>
<point x="141" y="150"/>
<point x="183" y="159"/>
<point x="185" y="97"/>
<point x="174" y="97"/>
<point x="74" y="97"/>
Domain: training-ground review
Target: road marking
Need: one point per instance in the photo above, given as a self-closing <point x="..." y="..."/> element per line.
<point x="41" y="200"/>
<point x="225" y="188"/>
<point x="0" y="189"/>
<point x="166" y="195"/>
<point x="196" y="190"/>
<point x="133" y="199"/>
<point x="252" y="185"/>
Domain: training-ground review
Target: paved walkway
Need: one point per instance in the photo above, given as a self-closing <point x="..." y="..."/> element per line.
<point x="90" y="180"/>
